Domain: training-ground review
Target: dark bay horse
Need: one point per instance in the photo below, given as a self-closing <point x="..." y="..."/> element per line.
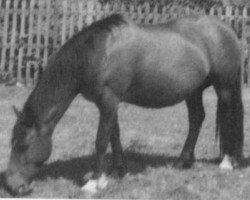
<point x="113" y="61"/>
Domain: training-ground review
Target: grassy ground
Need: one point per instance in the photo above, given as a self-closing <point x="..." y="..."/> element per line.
<point x="152" y="140"/>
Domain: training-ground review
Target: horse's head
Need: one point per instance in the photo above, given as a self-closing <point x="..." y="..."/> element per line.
<point x="30" y="147"/>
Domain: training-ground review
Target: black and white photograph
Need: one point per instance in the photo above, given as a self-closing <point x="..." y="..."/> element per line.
<point x="125" y="99"/>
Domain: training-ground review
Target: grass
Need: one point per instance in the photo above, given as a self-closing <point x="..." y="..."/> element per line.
<point x="152" y="140"/>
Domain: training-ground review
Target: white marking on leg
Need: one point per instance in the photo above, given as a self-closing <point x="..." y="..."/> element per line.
<point x="102" y="182"/>
<point x="226" y="163"/>
<point x="92" y="186"/>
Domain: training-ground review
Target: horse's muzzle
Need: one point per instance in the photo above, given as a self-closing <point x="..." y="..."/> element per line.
<point x="16" y="185"/>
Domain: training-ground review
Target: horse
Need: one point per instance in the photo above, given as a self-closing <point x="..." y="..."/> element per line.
<point x="114" y="60"/>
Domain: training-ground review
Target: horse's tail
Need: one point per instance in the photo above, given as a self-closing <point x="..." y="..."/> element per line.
<point x="218" y="126"/>
<point x="232" y="123"/>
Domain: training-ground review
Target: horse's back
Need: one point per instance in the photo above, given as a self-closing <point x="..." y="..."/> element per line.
<point x="162" y="65"/>
<point x="156" y="65"/>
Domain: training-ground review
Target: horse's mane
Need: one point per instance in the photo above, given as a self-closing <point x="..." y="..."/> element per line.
<point x="106" y="24"/>
<point x="62" y="70"/>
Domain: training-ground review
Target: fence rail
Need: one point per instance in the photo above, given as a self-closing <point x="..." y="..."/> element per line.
<point x="31" y="30"/>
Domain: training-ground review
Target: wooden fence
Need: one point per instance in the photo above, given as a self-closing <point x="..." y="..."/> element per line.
<point x="31" y="30"/>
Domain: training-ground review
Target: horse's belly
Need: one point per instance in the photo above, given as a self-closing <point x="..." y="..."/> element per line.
<point x="157" y="72"/>
<point x="158" y="95"/>
<point x="165" y="86"/>
<point x="140" y="98"/>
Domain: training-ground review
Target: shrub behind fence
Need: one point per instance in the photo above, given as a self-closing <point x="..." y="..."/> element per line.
<point x="31" y="30"/>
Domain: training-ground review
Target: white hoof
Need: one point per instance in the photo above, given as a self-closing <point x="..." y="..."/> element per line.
<point x="92" y="186"/>
<point x="226" y="163"/>
<point x="102" y="182"/>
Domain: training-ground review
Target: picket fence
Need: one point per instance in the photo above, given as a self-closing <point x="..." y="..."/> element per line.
<point x="31" y="30"/>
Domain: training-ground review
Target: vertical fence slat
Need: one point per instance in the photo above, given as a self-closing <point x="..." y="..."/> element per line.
<point x="13" y="37"/>
<point x="90" y="8"/>
<point x="38" y="38"/>
<point x="243" y="44"/>
<point x="56" y="23"/>
<point x="237" y="19"/>
<point x="246" y="47"/>
<point x="228" y="15"/>
<point x="80" y="15"/>
<point x="5" y="35"/>
<point x="99" y="12"/>
<point x="30" y="40"/>
<point x="248" y="44"/>
<point x="64" y="22"/>
<point x="46" y="33"/>
<point x="72" y="20"/>
<point x="21" y="38"/>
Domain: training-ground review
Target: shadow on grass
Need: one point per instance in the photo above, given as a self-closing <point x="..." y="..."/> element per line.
<point x="75" y="169"/>
<point x="245" y="162"/>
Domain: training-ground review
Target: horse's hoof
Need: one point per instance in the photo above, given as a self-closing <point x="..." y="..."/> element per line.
<point x="180" y="164"/>
<point x="92" y="186"/>
<point x="227" y="163"/>
<point x="102" y="182"/>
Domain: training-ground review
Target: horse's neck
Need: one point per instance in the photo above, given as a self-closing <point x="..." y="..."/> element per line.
<point x="49" y="103"/>
<point x="57" y="87"/>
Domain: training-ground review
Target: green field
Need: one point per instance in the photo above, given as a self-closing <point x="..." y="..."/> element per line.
<point x="152" y="140"/>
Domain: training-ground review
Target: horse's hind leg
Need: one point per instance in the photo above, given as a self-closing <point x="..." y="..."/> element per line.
<point x="196" y="115"/>
<point x="230" y="124"/>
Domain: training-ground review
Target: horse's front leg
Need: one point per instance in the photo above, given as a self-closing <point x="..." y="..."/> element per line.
<point x="196" y="115"/>
<point x="108" y="130"/>
<point x="119" y="166"/>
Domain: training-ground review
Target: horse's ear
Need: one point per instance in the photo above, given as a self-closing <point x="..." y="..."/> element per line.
<point x="16" y="111"/>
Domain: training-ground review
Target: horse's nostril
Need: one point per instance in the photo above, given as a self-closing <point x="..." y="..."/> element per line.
<point x="24" y="190"/>
<point x="21" y="189"/>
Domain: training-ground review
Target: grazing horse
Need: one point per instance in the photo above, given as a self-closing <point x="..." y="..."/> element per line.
<point x="114" y="60"/>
